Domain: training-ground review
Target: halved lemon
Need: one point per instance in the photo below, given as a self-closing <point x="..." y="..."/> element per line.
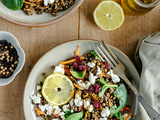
<point x="108" y="15"/>
<point x="57" y="89"/>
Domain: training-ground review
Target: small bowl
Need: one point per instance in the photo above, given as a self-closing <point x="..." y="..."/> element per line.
<point x="45" y="19"/>
<point x="13" y="40"/>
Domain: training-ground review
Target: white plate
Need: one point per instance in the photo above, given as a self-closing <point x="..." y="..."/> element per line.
<point x="60" y="53"/>
<point x="18" y="17"/>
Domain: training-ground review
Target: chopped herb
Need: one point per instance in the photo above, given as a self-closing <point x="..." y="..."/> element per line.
<point x="78" y="74"/>
<point x="95" y="55"/>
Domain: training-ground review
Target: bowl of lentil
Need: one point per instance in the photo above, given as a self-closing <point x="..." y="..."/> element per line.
<point x="38" y="14"/>
<point x="12" y="58"/>
<point x="36" y="108"/>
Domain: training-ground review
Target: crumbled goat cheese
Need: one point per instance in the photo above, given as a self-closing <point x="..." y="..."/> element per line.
<point x="38" y="87"/>
<point x="83" y="85"/>
<point x="98" y="71"/>
<point x="126" y="115"/>
<point x="77" y="101"/>
<point x="66" y="108"/>
<point x="72" y="111"/>
<point x="42" y="107"/>
<point x="36" y="98"/>
<point x="48" y="1"/>
<point x="105" y="112"/>
<point x="91" y="64"/>
<point x="62" y="115"/>
<point x="49" y="110"/>
<point x="59" y="69"/>
<point x="114" y="77"/>
<point x="55" y="119"/>
<point x="57" y="110"/>
<point x="90" y="108"/>
<point x="103" y="119"/>
<point x="92" y="78"/>
<point x="71" y="102"/>
<point x="86" y="104"/>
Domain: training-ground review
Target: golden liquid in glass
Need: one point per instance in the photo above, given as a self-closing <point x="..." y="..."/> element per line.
<point x="131" y="7"/>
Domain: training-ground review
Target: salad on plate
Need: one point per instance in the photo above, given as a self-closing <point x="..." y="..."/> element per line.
<point x="82" y="88"/>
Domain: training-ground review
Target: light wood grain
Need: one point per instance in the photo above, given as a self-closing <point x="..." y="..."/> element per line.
<point x="37" y="41"/>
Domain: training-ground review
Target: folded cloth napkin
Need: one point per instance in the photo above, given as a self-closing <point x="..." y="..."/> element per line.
<point x="147" y="60"/>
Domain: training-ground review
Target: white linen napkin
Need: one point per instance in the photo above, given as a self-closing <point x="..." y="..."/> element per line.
<point x="147" y="60"/>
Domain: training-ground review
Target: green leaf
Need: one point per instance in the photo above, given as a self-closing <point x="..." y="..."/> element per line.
<point x="120" y="93"/>
<point x="41" y="82"/>
<point x="105" y="86"/>
<point x="78" y="74"/>
<point x="67" y="113"/>
<point x="13" y="4"/>
<point x="95" y="55"/>
<point x="76" y="116"/>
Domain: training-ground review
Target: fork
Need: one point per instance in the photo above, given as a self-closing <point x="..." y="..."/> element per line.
<point x="118" y="68"/>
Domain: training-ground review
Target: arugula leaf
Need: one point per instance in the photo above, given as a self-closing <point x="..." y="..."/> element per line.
<point x="67" y="113"/>
<point x="41" y="82"/>
<point x="120" y="93"/>
<point x="105" y="86"/>
<point x="95" y="55"/>
<point x="78" y="74"/>
<point x="76" y="116"/>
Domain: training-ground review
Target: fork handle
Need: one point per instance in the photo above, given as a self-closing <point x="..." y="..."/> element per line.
<point x="154" y="115"/>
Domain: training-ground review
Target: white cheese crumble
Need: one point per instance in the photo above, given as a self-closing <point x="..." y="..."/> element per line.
<point x="62" y="115"/>
<point x="91" y="64"/>
<point x="77" y="101"/>
<point x="83" y="85"/>
<point x="49" y="110"/>
<point x="48" y="1"/>
<point x="126" y="115"/>
<point x="103" y="119"/>
<point x="90" y="108"/>
<point x="66" y="108"/>
<point x="98" y="71"/>
<point x="92" y="78"/>
<point x="59" y="69"/>
<point x="38" y="87"/>
<point x="105" y="112"/>
<point x="86" y="104"/>
<point x="42" y="107"/>
<point x="114" y="77"/>
<point x="36" y="98"/>
<point x="71" y="102"/>
<point x="57" y="110"/>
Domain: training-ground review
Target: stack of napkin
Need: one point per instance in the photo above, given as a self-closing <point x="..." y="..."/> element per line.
<point x="147" y="60"/>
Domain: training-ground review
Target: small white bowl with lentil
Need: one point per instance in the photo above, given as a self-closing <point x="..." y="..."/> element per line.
<point x="12" y="58"/>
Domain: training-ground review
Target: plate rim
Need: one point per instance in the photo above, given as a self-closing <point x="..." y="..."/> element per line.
<point x="74" y="40"/>
<point x="44" y="24"/>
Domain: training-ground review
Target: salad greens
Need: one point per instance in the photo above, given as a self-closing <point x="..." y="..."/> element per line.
<point x="76" y="116"/>
<point x="67" y="113"/>
<point x="13" y="4"/>
<point x="78" y="74"/>
<point x="105" y="86"/>
<point x="95" y="55"/>
<point x="120" y="93"/>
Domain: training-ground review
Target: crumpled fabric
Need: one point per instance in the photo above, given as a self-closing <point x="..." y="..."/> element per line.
<point x="147" y="61"/>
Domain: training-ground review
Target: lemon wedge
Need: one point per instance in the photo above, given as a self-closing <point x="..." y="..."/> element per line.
<point x="57" y="89"/>
<point x="108" y="15"/>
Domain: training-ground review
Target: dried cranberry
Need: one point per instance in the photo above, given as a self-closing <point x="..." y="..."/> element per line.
<point x="78" y="58"/>
<point x="87" y="68"/>
<point x="83" y="67"/>
<point x="80" y="67"/>
<point x="108" y="66"/>
<point x="97" y="88"/>
<point x="80" y="62"/>
<point x="81" y="109"/>
<point x="75" y="65"/>
<point x="95" y="104"/>
<point x="78" y="78"/>
<point x="90" y="89"/>
<point x="99" y="106"/>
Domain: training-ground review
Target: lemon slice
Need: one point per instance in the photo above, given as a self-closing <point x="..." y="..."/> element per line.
<point x="57" y="89"/>
<point x="108" y="15"/>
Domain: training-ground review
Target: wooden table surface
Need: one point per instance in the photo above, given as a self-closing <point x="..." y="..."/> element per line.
<point x="80" y="25"/>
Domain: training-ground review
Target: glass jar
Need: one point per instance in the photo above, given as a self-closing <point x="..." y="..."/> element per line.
<point x="138" y="7"/>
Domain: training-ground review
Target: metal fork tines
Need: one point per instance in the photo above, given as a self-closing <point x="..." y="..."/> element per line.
<point x="103" y="49"/>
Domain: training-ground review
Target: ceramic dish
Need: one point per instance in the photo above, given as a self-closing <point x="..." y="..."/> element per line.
<point x="12" y="39"/>
<point x="60" y="53"/>
<point x="18" y="17"/>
